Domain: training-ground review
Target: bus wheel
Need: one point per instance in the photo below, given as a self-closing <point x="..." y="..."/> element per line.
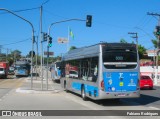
<point x="83" y="94"/>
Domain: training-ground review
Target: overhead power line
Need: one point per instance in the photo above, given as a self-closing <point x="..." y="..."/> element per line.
<point x="45" y="2"/>
<point x="17" y="42"/>
<point x="21" y="10"/>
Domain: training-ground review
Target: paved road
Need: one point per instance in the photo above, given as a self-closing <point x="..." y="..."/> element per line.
<point x="149" y="98"/>
<point x="15" y="97"/>
<point x="6" y="85"/>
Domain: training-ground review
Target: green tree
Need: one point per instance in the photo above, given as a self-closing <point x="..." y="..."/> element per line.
<point x="154" y="41"/>
<point x="123" y="41"/>
<point x="73" y="47"/>
<point x="2" y="57"/>
<point x="141" y="51"/>
<point x="10" y="60"/>
<point x="16" y="55"/>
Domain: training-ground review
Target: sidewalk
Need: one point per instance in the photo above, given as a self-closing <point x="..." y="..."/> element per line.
<point x="158" y="83"/>
<point x="39" y="86"/>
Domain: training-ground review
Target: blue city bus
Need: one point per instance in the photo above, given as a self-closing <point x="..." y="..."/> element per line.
<point x="22" y="68"/>
<point x="102" y="71"/>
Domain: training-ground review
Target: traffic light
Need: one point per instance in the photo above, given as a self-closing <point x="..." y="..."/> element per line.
<point x="45" y="36"/>
<point x="50" y="41"/>
<point x="30" y="53"/>
<point x="89" y="21"/>
<point x="157" y="30"/>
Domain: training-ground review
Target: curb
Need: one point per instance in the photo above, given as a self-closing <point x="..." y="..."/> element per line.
<point x="29" y="91"/>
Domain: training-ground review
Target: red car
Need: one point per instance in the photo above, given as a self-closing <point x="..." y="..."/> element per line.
<point x="146" y="82"/>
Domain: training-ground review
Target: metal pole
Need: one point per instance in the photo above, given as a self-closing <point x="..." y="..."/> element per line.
<point x="68" y="39"/>
<point x="6" y="54"/>
<point x="49" y="29"/>
<point x="158" y="42"/>
<point x="156" y="73"/>
<point x="47" y="66"/>
<point x="137" y="40"/>
<point x="41" y="8"/>
<point x="63" y="21"/>
<point x="36" y="56"/>
<point x="32" y="61"/>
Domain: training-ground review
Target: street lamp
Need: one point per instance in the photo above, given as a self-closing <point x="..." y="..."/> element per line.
<point x="33" y="39"/>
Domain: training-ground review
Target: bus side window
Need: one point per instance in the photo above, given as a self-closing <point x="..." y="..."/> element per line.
<point x="94" y="69"/>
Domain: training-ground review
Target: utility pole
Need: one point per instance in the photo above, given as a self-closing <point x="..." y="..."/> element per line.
<point x="0" y="49"/>
<point x="6" y="54"/>
<point x="41" y="39"/>
<point x="36" y="56"/>
<point x="136" y="37"/>
<point x="158" y="43"/>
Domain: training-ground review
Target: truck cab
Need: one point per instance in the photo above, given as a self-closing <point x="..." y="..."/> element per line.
<point x="3" y="69"/>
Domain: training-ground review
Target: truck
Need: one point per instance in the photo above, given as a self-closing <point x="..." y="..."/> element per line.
<point x="4" y="66"/>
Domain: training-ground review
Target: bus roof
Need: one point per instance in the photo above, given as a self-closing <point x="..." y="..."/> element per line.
<point x="21" y="62"/>
<point x="92" y="51"/>
<point x="79" y="53"/>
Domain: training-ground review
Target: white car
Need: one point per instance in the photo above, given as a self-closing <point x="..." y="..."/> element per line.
<point x="73" y="74"/>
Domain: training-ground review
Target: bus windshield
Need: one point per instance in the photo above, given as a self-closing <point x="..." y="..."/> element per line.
<point x="120" y="59"/>
<point x="20" y="67"/>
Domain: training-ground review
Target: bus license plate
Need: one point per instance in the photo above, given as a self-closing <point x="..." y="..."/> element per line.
<point x="146" y="85"/>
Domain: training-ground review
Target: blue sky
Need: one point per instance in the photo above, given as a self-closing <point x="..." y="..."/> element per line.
<point x="112" y="20"/>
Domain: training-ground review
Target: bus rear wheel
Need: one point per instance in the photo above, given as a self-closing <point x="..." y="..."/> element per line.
<point x="83" y="94"/>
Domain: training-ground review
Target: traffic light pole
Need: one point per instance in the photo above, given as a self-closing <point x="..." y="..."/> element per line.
<point x="157" y="52"/>
<point x="156" y="71"/>
<point x="33" y="40"/>
<point x="41" y="39"/>
<point x="88" y="23"/>
<point x="49" y="29"/>
<point x="47" y="65"/>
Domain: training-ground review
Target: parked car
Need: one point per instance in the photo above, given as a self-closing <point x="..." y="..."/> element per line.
<point x="146" y="82"/>
<point x="73" y="74"/>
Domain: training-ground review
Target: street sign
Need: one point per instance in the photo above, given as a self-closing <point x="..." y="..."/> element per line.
<point x="152" y="54"/>
<point x="62" y="40"/>
<point x="50" y="53"/>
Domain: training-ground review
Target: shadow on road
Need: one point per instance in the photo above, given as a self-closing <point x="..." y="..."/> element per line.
<point x="144" y="99"/>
